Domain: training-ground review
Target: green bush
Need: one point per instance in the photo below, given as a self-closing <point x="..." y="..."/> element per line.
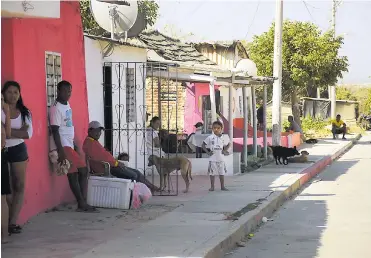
<point x="285" y="124"/>
<point x="315" y="127"/>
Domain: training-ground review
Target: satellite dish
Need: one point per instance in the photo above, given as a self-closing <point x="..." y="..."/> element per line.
<point x="116" y="17"/>
<point x="139" y="25"/>
<point x="247" y="65"/>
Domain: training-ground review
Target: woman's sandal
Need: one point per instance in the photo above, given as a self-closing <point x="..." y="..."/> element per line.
<point x="14" y="229"/>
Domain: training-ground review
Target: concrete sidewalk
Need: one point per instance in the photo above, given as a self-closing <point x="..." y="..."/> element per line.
<point x="198" y="224"/>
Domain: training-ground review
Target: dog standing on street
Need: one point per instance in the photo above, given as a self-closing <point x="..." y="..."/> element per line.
<point x="283" y="152"/>
<point x="165" y="166"/>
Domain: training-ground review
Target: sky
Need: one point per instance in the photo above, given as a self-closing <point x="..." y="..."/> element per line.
<point x="233" y="19"/>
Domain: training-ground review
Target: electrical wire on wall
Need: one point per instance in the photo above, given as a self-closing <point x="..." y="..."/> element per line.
<point x="27" y="6"/>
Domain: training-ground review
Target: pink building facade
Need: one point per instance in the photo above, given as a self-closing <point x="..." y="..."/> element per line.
<point x="25" y="44"/>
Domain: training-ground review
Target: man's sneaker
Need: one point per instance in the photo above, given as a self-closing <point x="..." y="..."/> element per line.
<point x="344" y="138"/>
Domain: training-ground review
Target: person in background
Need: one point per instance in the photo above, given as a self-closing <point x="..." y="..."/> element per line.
<point x="96" y="154"/>
<point x="199" y="127"/>
<point x="61" y="124"/>
<point x="295" y="127"/>
<point x="17" y="155"/>
<point x="218" y="143"/>
<point x="124" y="157"/>
<point x="153" y="141"/>
<point x="5" y="180"/>
<point x="260" y="116"/>
<point x="338" y="127"/>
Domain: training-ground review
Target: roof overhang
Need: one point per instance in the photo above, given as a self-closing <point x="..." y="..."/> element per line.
<point x="131" y="42"/>
<point x="328" y="100"/>
<point x="205" y="73"/>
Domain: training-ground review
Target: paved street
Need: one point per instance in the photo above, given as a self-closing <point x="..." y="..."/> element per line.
<point x="330" y="218"/>
<point x="189" y="225"/>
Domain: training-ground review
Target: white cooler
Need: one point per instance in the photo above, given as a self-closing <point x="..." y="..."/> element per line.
<point x="109" y="192"/>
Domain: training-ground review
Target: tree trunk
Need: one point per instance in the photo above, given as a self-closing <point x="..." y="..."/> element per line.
<point x="312" y="91"/>
<point x="295" y="106"/>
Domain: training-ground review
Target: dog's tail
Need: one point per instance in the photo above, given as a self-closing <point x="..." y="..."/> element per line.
<point x="189" y="172"/>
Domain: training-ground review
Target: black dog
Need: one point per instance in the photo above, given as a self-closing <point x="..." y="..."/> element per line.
<point x="283" y="152"/>
<point x="311" y="141"/>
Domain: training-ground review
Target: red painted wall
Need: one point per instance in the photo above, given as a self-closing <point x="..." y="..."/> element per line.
<point x="29" y="39"/>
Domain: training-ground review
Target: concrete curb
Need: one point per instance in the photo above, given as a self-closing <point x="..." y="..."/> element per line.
<point x="226" y="240"/>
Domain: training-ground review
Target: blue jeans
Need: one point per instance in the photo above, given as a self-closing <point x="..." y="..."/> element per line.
<point x="127" y="173"/>
<point x="198" y="152"/>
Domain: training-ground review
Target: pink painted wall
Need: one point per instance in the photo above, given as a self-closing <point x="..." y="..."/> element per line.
<point x="192" y="108"/>
<point x="294" y="138"/>
<point x="7" y="50"/>
<point x="26" y="41"/>
<point x="238" y="142"/>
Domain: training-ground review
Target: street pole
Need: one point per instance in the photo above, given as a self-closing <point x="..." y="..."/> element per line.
<point x="265" y="122"/>
<point x="332" y="92"/>
<point x="245" y="126"/>
<point x="254" y="123"/>
<point x="277" y="73"/>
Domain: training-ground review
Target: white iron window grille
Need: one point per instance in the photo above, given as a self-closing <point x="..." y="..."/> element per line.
<point x="53" y="72"/>
<point x="130" y="95"/>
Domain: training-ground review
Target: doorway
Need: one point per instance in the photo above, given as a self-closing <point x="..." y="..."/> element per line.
<point x="107" y="99"/>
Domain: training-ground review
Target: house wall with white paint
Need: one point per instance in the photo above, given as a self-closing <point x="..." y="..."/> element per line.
<point x="128" y="95"/>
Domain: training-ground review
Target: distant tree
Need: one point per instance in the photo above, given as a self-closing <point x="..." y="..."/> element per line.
<point x="148" y="7"/>
<point x="310" y="59"/>
<point x="343" y="93"/>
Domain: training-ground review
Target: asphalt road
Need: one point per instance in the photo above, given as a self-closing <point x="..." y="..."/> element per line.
<point x="331" y="218"/>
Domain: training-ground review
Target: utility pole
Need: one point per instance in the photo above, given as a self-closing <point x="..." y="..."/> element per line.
<point x="332" y="89"/>
<point x="277" y="73"/>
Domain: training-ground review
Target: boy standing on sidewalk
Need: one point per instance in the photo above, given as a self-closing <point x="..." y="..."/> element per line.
<point x="218" y="143"/>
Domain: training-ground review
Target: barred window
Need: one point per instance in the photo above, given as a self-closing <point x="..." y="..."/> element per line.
<point x="53" y="72"/>
<point x="130" y="96"/>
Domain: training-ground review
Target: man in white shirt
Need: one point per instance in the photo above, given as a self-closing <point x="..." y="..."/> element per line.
<point x="61" y="123"/>
<point x="153" y="142"/>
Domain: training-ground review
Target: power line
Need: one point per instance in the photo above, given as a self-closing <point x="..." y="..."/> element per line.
<point x="310" y="14"/>
<point x="194" y="10"/>
<point x="253" y="19"/>
<point x="314" y="7"/>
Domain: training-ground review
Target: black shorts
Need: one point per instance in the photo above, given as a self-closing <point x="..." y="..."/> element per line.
<point x="337" y="130"/>
<point x="17" y="153"/>
<point x="5" y="180"/>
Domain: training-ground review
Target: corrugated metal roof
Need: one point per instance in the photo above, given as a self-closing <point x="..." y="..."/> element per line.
<point x="182" y="54"/>
<point x="223" y="44"/>
<point x="173" y="49"/>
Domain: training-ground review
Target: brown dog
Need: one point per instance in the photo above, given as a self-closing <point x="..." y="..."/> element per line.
<point x="166" y="166"/>
<point x="303" y="158"/>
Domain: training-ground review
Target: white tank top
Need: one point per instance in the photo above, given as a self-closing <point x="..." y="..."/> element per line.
<point x="15" y="123"/>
